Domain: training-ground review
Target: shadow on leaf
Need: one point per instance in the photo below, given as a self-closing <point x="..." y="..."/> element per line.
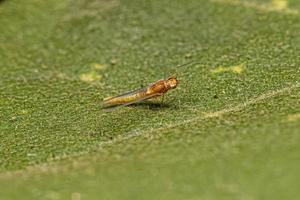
<point x="148" y="105"/>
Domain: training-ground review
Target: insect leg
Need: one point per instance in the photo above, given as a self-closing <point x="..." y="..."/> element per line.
<point x="162" y="100"/>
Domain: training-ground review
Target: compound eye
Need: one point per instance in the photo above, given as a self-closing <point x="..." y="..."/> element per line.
<point x="173" y="83"/>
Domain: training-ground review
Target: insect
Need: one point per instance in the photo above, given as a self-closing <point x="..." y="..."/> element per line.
<point x="156" y="89"/>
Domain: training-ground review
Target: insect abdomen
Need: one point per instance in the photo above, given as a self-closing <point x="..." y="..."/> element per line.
<point x="122" y="100"/>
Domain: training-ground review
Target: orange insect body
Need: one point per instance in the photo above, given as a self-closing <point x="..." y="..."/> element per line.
<point x="156" y="89"/>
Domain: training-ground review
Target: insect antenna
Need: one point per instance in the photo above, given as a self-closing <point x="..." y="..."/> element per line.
<point x="185" y="64"/>
<point x="191" y="63"/>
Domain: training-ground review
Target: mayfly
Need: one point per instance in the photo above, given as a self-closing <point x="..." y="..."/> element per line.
<point x="156" y="89"/>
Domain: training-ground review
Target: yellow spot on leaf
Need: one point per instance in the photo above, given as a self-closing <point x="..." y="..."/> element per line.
<point x="294" y="117"/>
<point x="76" y="196"/>
<point x="90" y="77"/>
<point x="24" y="112"/>
<point x="188" y="55"/>
<point x="279" y="4"/>
<point x="44" y="66"/>
<point x="237" y="69"/>
<point x="98" y="66"/>
<point x="272" y="5"/>
<point x="114" y="62"/>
